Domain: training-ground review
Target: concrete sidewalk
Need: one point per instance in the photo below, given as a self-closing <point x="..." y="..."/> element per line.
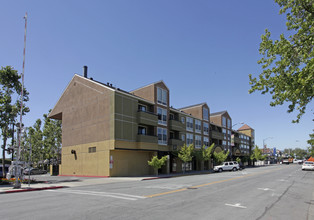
<point x="57" y="182"/>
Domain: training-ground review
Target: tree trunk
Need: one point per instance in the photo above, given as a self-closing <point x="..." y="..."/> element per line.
<point x="3" y="156"/>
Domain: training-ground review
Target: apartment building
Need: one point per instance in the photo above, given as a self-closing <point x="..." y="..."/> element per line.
<point x="107" y="131"/>
<point x="239" y="142"/>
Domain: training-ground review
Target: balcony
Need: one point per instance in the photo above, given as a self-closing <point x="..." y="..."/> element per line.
<point x="147" y="138"/>
<point x="176" y="142"/>
<point x="237" y="140"/>
<point x="147" y="118"/>
<point x="176" y="125"/>
<point x="217" y="135"/>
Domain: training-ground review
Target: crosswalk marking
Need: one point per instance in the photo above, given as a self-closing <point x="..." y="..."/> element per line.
<point x="104" y="194"/>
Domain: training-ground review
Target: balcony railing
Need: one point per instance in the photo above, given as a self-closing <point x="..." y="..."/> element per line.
<point x="217" y="135"/>
<point x="176" y="125"/>
<point x="177" y="142"/>
<point x="147" y="118"/>
<point x="147" y="138"/>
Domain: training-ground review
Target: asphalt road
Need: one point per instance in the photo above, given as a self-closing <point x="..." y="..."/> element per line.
<point x="274" y="192"/>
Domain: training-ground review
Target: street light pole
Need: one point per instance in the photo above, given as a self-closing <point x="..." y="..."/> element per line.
<point x="265" y="140"/>
<point x="240" y="123"/>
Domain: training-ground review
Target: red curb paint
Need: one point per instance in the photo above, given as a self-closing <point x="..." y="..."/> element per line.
<point x="33" y="189"/>
<point x="85" y="176"/>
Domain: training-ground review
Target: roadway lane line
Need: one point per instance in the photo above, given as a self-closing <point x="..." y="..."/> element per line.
<point x="207" y="184"/>
<point x="191" y="187"/>
<point x="237" y="205"/>
<point x="104" y="194"/>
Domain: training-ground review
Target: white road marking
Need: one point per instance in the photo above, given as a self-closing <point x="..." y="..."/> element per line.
<point x="282" y="180"/>
<point x="266" y="189"/>
<point x="104" y="194"/>
<point x="237" y="205"/>
<point x="169" y="186"/>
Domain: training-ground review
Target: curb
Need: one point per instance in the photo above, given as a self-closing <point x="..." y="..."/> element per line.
<point x="31" y="189"/>
<point x="159" y="177"/>
<point x="174" y="176"/>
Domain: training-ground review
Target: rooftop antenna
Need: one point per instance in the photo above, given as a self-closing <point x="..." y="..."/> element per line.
<point x="17" y="184"/>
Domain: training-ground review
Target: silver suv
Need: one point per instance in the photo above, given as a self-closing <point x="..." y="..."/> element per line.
<point x="229" y="165"/>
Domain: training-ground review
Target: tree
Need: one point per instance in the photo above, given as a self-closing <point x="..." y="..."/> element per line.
<point x="207" y="152"/>
<point x="257" y="154"/>
<point x="45" y="141"/>
<point x="221" y="156"/>
<point x="186" y="154"/>
<point x="311" y="143"/>
<point x="157" y="163"/>
<point x="34" y="139"/>
<point x="299" y="153"/>
<point x="288" y="63"/>
<point x="9" y="106"/>
<point x="52" y="139"/>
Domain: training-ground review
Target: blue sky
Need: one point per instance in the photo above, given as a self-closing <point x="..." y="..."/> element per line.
<point x="203" y="51"/>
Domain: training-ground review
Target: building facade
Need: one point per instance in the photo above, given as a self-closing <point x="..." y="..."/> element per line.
<point x="107" y="131"/>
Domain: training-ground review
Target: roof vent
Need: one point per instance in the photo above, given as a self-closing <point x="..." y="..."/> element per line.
<point x="85" y="71"/>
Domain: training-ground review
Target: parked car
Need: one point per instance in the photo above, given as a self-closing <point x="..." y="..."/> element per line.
<point x="308" y="165"/>
<point x="298" y="161"/>
<point x="229" y="165"/>
<point x="33" y="171"/>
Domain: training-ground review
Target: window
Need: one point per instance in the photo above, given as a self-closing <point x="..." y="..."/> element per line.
<point x="183" y="137"/>
<point x="142" y="108"/>
<point x="198" y="141"/>
<point x="189" y="139"/>
<point x="224" y="133"/>
<point x="224" y="143"/>
<point x="189" y="124"/>
<point x="162" y="116"/>
<point x="206" y="141"/>
<point x="229" y="134"/>
<point x="162" y="96"/>
<point x="183" y="120"/>
<point x="162" y="136"/>
<point x="205" y="113"/>
<point x="205" y="128"/>
<point x="141" y="130"/>
<point x="229" y="123"/>
<point x="91" y="149"/>
<point x="198" y="126"/>
<point x="171" y="116"/>
<point x="224" y="122"/>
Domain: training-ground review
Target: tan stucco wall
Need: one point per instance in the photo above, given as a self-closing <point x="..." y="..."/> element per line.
<point x="196" y="111"/>
<point x="246" y="132"/>
<point x="136" y="145"/>
<point x="87" y="112"/>
<point x="216" y="120"/>
<point x="146" y="92"/>
<point x="131" y="163"/>
<point x="85" y="163"/>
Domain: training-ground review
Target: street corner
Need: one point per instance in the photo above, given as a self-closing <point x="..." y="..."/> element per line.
<point x="26" y="189"/>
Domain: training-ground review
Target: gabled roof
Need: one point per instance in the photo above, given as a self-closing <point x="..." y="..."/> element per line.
<point x="160" y="81"/>
<point x="245" y="127"/>
<point x="193" y="106"/>
<point x="218" y="113"/>
<point x="107" y="86"/>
